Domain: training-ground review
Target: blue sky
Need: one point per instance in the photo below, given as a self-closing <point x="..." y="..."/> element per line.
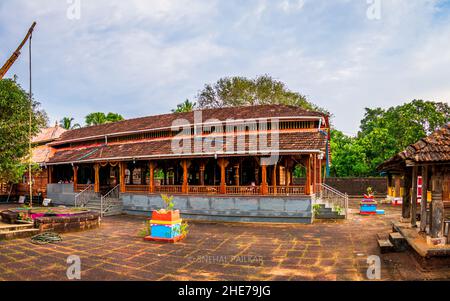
<point x="141" y="58"/>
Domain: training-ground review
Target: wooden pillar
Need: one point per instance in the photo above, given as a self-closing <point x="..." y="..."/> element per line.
<point x="202" y="173"/>
<point x="437" y="223"/>
<point x="236" y="174"/>
<point x="314" y="174"/>
<point x="122" y="168"/>
<point x="397" y="190"/>
<point x="50" y="174"/>
<point x="185" y="188"/>
<point x="414" y="197"/>
<point x="286" y="174"/>
<point x="75" y="177"/>
<point x="319" y="180"/>
<point x="264" y="188"/>
<point x="97" y="177"/>
<point x="257" y="176"/>
<point x="274" y="178"/>
<point x="223" y="165"/>
<point x="151" y="167"/>
<point x="424" y="201"/>
<point x="406" y="203"/>
<point x="308" y="176"/>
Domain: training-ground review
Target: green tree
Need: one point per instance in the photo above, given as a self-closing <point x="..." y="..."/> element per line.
<point x="241" y="91"/>
<point x="97" y="118"/>
<point x="15" y="109"/>
<point x="66" y="123"/>
<point x="186" y="106"/>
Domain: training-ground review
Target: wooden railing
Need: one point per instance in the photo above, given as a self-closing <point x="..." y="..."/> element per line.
<point x="169" y="189"/>
<point x="243" y="190"/>
<point x="204" y="189"/>
<point x="81" y="187"/>
<point x="137" y="188"/>
<point x="287" y="190"/>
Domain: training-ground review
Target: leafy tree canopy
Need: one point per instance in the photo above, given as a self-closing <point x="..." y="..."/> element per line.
<point x="186" y="106"/>
<point x="97" y="118"/>
<point x="242" y="91"/>
<point x="15" y="109"/>
<point x="67" y="123"/>
<point x="383" y="133"/>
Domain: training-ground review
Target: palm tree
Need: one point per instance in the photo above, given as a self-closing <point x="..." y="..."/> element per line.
<point x="186" y="106"/>
<point x="113" y="117"/>
<point x="66" y="123"/>
<point x="95" y="118"/>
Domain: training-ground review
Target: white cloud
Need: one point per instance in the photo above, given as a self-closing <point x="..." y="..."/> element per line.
<point x="144" y="57"/>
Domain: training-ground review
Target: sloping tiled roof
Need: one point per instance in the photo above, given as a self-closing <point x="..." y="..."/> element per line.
<point x="432" y="149"/>
<point x="48" y="134"/>
<point x="42" y="153"/>
<point x="164" y="121"/>
<point x="293" y="141"/>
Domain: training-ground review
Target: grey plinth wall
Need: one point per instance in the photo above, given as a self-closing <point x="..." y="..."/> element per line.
<point x="61" y="194"/>
<point x="230" y="209"/>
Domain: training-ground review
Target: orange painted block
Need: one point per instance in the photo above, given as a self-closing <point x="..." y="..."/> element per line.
<point x="166" y="216"/>
<point x="168" y="240"/>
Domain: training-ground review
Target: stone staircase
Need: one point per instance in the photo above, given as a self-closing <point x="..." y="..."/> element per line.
<point x="322" y="211"/>
<point x="115" y="207"/>
<point x="392" y="242"/>
<point x="11" y="231"/>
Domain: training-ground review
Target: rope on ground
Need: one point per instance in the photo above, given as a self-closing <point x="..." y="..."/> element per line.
<point x="46" y="238"/>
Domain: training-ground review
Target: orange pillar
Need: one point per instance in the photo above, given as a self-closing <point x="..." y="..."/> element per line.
<point x="236" y="175"/>
<point x="264" y="188"/>
<point x="75" y="177"/>
<point x="185" y="188"/>
<point x="223" y="185"/>
<point x="274" y="179"/>
<point x="308" y="176"/>
<point x="97" y="177"/>
<point x="122" y="176"/>
<point x="314" y="173"/>
<point x="202" y="173"/>
<point x="152" y="177"/>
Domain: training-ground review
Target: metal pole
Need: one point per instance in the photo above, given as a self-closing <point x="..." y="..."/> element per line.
<point x="30" y="179"/>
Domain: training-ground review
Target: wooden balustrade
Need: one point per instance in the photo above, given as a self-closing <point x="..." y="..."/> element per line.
<point x="81" y="187"/>
<point x="204" y="189"/>
<point x="169" y="189"/>
<point x="137" y="188"/>
<point x="289" y="190"/>
<point x="243" y="190"/>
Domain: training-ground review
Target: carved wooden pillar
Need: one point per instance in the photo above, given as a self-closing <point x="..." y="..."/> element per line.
<point x="264" y="188"/>
<point x="97" y="177"/>
<point x="223" y="184"/>
<point x="75" y="177"/>
<point x="274" y="178"/>
<point x="414" y="197"/>
<point x="406" y="203"/>
<point x="308" y="176"/>
<point x="122" y="167"/>
<point x="151" y="167"/>
<point x="185" y="166"/>
<point x="437" y="223"/>
<point x="236" y="174"/>
<point x="202" y="173"/>
<point x="424" y="201"/>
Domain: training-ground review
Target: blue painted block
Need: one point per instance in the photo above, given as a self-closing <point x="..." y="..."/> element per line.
<point x="166" y="231"/>
<point x="380" y="212"/>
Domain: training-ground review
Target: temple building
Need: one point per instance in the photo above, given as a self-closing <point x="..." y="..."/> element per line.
<point x="429" y="158"/>
<point x="233" y="163"/>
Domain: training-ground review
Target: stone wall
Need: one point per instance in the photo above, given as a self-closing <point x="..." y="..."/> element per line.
<point x="354" y="186"/>
<point x="61" y="194"/>
<point x="228" y="209"/>
<point x="74" y="223"/>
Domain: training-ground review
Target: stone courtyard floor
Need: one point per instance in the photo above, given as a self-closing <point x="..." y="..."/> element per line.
<point x="218" y="251"/>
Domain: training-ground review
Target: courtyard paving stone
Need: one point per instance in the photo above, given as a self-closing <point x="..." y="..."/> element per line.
<point x="218" y="251"/>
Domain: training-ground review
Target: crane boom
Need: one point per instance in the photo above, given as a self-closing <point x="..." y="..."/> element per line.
<point x="16" y="53"/>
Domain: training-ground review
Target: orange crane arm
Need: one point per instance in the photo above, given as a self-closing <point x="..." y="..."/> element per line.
<point x="16" y="53"/>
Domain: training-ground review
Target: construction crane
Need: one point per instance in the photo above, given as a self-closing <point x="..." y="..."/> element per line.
<point x="16" y="53"/>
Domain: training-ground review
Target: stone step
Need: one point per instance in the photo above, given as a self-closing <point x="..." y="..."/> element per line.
<point x="332" y="215"/>
<point x="22" y="233"/>
<point x="14" y="227"/>
<point x="398" y="241"/>
<point x="385" y="246"/>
